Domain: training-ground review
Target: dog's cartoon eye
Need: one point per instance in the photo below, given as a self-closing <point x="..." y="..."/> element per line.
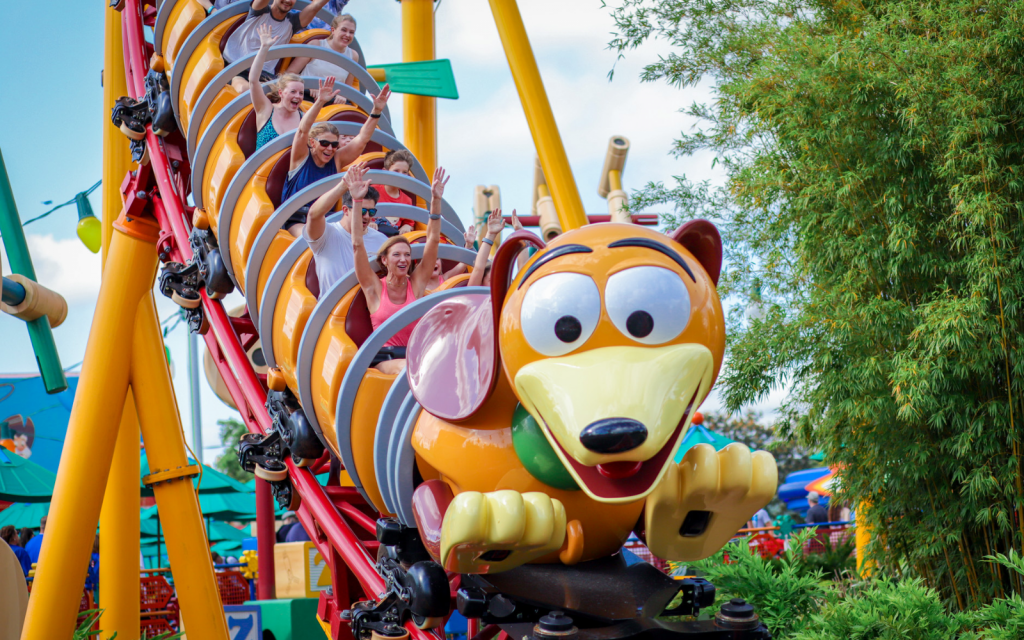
<point x="559" y="312"/>
<point x="650" y="304"/>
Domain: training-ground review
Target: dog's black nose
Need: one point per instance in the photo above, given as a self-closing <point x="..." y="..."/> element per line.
<point x="613" y="435"/>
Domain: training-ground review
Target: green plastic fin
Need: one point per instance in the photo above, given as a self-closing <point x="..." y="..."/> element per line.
<point x="427" y="78"/>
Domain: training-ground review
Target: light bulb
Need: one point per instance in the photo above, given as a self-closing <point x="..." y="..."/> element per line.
<point x="90" y="232"/>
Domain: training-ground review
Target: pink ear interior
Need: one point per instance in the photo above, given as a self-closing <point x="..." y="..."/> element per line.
<point x="701" y="238"/>
<point x="451" y="357"/>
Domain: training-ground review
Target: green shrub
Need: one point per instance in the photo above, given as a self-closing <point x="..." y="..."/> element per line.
<point x="883" y="609"/>
<point x="785" y="590"/>
<point x="835" y="561"/>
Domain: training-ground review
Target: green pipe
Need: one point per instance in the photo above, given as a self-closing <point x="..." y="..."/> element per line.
<point x="47" y="358"/>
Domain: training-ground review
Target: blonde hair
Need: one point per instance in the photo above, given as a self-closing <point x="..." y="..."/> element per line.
<point x="323" y="127"/>
<point x="277" y="86"/>
<point x="398" y="155"/>
<point x="382" y="253"/>
<point x="343" y="17"/>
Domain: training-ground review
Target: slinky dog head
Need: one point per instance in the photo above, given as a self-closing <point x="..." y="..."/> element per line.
<point x="611" y="336"/>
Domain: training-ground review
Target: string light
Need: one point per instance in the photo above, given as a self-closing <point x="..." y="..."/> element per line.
<point x="89" y="227"/>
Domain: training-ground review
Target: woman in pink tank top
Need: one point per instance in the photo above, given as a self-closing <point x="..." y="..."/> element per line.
<point x="398" y="288"/>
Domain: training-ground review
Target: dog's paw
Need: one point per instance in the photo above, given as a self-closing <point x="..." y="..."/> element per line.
<point x="500" y="530"/>
<point x="701" y="502"/>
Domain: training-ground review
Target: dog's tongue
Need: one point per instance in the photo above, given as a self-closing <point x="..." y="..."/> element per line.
<point x="619" y="470"/>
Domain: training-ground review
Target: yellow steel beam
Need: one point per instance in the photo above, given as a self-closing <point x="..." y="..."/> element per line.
<point x="119" y="534"/>
<point x="119" y="518"/>
<point x="420" y="111"/>
<point x="188" y="551"/>
<point x="117" y="155"/>
<point x="862" y="537"/>
<point x="91" y="436"/>
<point x="546" y="138"/>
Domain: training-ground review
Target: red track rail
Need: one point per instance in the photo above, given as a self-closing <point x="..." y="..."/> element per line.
<point x="333" y="536"/>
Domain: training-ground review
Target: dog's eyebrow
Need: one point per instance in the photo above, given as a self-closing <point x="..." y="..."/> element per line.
<point x="647" y="243"/>
<point x="557" y="252"/>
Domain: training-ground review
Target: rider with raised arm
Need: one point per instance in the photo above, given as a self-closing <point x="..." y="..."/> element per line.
<point x="398" y="288"/>
<point x="317" y="151"/>
<point x="331" y="242"/>
<point x="281" y="23"/>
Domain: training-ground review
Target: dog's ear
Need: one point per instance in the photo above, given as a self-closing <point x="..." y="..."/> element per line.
<point x="450" y="358"/>
<point x="453" y="358"/>
<point x="701" y="238"/>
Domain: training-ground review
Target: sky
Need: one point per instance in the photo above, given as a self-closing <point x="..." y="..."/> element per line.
<point x="51" y="137"/>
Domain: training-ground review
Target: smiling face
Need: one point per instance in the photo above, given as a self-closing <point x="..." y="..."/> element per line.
<point x="612" y="337"/>
<point x="398" y="259"/>
<point x="291" y="96"/>
<point x="323" y="146"/>
<point x="283" y="6"/>
<point x="342" y="35"/>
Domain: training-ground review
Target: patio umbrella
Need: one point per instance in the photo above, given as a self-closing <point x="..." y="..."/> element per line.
<point x="22" y="480"/>
<point x="213" y="481"/>
<point x="699" y="434"/>
<point x="824" y="484"/>
<point x="24" y="515"/>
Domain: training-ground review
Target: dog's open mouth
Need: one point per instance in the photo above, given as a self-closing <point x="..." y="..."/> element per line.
<point x="622" y="480"/>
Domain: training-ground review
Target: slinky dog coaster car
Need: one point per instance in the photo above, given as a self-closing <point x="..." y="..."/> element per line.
<point x="553" y="408"/>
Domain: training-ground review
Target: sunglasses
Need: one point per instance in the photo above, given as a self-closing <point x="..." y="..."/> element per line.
<point x="370" y="212"/>
<point x="329" y="143"/>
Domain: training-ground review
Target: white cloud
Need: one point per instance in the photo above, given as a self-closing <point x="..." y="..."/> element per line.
<point x="65" y="266"/>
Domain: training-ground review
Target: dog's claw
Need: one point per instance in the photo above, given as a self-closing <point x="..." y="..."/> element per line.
<point x="719" y="491"/>
<point x="500" y="530"/>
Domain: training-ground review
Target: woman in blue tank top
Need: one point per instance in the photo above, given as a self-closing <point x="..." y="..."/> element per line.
<point x="317" y="151"/>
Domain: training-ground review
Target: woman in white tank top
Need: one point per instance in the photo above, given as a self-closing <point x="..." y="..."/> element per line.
<point x="343" y="32"/>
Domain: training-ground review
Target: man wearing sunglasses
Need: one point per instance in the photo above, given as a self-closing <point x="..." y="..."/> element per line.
<point x="331" y="242"/>
<point x="317" y="151"/>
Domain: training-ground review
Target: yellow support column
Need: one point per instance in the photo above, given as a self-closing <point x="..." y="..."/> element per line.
<point x="119" y="534"/>
<point x="117" y="154"/>
<point x="119" y="518"/>
<point x="865" y="568"/>
<point x="420" y="111"/>
<point x="91" y="436"/>
<point x="188" y="551"/>
<point x="546" y="138"/>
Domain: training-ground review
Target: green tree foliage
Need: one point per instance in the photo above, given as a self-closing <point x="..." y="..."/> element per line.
<point x="231" y="430"/>
<point x="873" y="153"/>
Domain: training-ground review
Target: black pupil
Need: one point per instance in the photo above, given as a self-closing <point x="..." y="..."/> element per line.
<point x="640" y="324"/>
<point x="568" y="329"/>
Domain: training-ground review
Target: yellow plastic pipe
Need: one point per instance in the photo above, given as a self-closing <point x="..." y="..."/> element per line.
<point x="546" y="138"/>
<point x="188" y="551"/>
<point x="89" y="444"/>
<point x="119" y="518"/>
<point x="420" y="111"/>
<point x="119" y="534"/>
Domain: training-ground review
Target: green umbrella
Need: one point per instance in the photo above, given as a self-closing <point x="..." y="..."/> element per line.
<point x="213" y="481"/>
<point x="231" y="507"/>
<point x="24" y="515"/>
<point x="699" y="434"/>
<point x="22" y="480"/>
<point x="228" y="548"/>
<point x="218" y="532"/>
